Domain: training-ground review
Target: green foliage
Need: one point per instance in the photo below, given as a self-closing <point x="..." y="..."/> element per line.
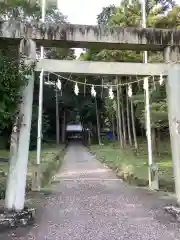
<point x="159" y="114"/>
<point x="12" y="79"/>
<point x="160" y="14"/>
<point x="133" y="168"/>
<point x="52" y="165"/>
<point x="18" y="9"/>
<point x="61" y="54"/>
<point x="23" y="10"/>
<point x="107" y="12"/>
<point x="45" y="123"/>
<point x="12" y="73"/>
<point x="110" y="106"/>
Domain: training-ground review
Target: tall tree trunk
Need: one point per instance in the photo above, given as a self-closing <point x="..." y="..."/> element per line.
<point x="64" y="127"/>
<point x="113" y="127"/>
<point x="133" y="125"/>
<point x="123" y="116"/>
<point x="158" y="139"/>
<point x="57" y="117"/>
<point x="153" y="137"/>
<point x="98" y="124"/>
<point x="128" y="117"/>
<point x="117" y="124"/>
<point x="142" y="132"/>
<point x="89" y="137"/>
<point x="155" y="141"/>
<point x="119" y="118"/>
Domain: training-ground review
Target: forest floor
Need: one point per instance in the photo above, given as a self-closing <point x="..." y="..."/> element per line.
<point x="133" y="166"/>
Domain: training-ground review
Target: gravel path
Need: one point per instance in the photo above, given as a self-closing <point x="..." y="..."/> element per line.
<point x="91" y="203"/>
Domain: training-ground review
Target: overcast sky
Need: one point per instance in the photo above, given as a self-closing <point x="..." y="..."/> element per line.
<point x="84" y="11"/>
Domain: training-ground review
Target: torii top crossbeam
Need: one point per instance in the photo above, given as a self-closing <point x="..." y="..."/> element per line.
<point x="84" y="36"/>
<point x="102" y="68"/>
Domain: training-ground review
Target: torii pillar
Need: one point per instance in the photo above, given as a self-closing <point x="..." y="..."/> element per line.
<point x="172" y="55"/>
<point x="19" y="150"/>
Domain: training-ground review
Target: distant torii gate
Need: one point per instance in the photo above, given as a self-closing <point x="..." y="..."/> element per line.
<point x="81" y="36"/>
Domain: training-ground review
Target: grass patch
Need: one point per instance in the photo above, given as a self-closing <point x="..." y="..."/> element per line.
<point x="51" y="167"/>
<point x="51" y="158"/>
<point x="133" y="167"/>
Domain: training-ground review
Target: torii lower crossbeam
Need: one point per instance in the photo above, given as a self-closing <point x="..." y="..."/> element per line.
<point x="102" y="68"/>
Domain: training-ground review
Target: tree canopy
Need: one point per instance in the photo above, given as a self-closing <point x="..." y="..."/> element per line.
<point x="160" y="14"/>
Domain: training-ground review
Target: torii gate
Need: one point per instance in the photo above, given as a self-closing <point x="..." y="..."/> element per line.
<point x="82" y="36"/>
